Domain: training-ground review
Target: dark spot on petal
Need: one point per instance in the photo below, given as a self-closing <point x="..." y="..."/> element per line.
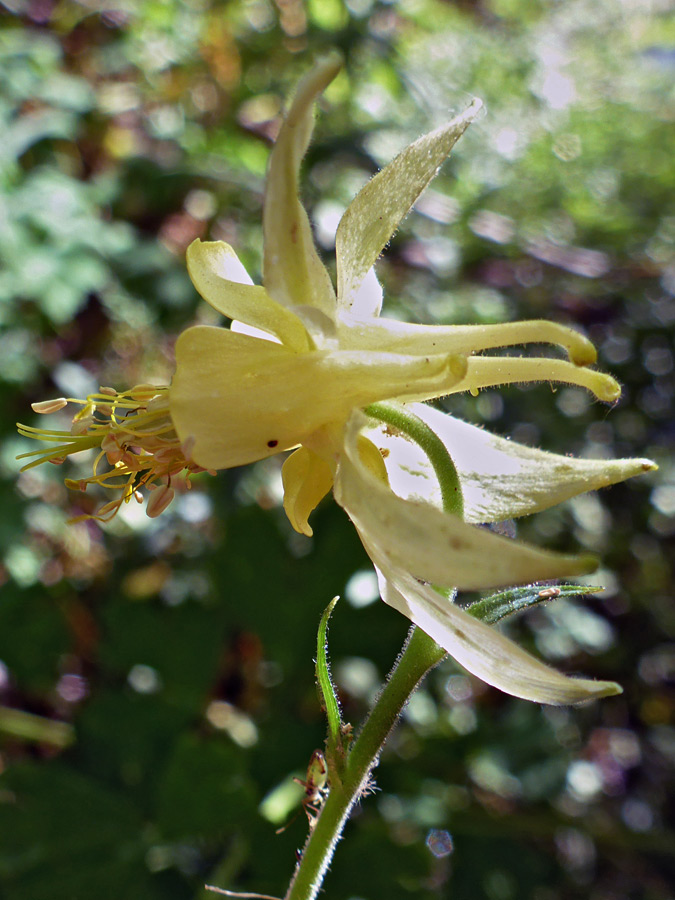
<point x="272" y="443"/>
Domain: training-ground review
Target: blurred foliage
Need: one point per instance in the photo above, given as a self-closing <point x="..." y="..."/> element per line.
<point x="180" y="649"/>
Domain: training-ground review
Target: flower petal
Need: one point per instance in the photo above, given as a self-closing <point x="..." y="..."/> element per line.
<point x="500" y="479"/>
<point x="479" y="648"/>
<point x="293" y="273"/>
<point x="241" y="399"/>
<point x="432" y="545"/>
<point x="307" y="479"/>
<point x="367" y="299"/>
<point x="403" y="337"/>
<point x="377" y="210"/>
<point x="223" y="282"/>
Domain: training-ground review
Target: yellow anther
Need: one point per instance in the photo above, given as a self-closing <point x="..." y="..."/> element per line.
<point x="44" y="407"/>
<point x="159" y="500"/>
<point x="132" y="431"/>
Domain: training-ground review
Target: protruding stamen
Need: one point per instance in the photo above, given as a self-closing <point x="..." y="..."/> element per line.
<point x="159" y="500"/>
<point x="73" y="485"/>
<point x="132" y="432"/>
<point x="44" y="407"/>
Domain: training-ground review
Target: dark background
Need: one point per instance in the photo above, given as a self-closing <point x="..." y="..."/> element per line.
<point x="179" y="651"/>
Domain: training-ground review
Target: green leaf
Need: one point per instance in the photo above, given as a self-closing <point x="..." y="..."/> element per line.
<point x="327" y="688"/>
<point x="505" y="603"/>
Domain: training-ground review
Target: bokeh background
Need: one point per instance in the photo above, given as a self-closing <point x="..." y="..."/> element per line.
<point x="156" y="676"/>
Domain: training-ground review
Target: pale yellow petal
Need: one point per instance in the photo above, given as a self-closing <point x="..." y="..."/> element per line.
<point x="377" y="210"/>
<point x="222" y="281"/>
<point x="367" y="299"/>
<point x="403" y="337"/>
<point x="372" y="459"/>
<point x="479" y="648"/>
<point x="490" y="371"/>
<point x="293" y="273"/>
<point x="500" y="479"/>
<point x="307" y="478"/>
<point x="241" y="399"/>
<point x="433" y="546"/>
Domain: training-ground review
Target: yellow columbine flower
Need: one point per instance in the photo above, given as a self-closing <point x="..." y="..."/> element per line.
<point x="301" y="361"/>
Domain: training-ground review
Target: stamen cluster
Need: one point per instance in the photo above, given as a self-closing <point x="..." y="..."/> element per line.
<point x="133" y="433"/>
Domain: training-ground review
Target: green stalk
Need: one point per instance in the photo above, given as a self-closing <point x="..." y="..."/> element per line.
<point x="419" y="655"/>
<point x="419" y="432"/>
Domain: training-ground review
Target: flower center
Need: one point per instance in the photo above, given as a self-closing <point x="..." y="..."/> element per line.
<point x="135" y="437"/>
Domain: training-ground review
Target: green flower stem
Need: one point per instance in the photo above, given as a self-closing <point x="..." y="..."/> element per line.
<point x="418" y="431"/>
<point x="420" y="654"/>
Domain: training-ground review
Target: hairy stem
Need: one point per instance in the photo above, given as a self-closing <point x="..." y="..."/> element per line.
<point x="400" y="418"/>
<point x="419" y="655"/>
